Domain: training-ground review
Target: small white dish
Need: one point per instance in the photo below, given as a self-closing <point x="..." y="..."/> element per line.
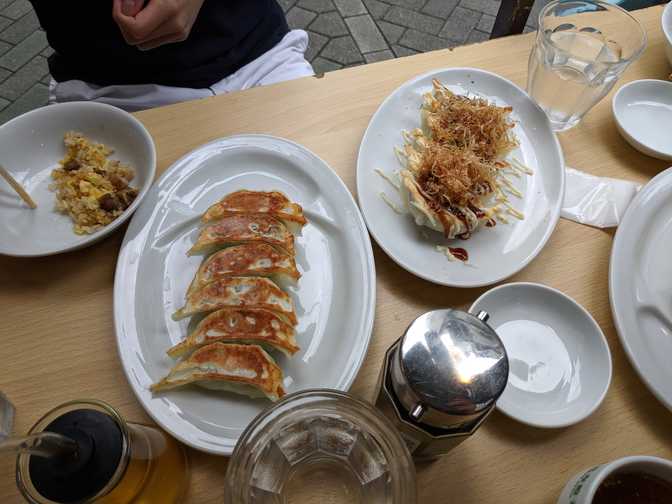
<point x="582" y="487"/>
<point x="643" y="113"/>
<point x="666" y="22"/>
<point x="639" y="284"/>
<point x="559" y="360"/>
<point x="494" y="253"/>
<point x="31" y="147"/>
<point x="334" y="299"/>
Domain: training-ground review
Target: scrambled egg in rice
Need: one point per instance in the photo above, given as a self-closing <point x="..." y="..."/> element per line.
<point x="89" y="187"/>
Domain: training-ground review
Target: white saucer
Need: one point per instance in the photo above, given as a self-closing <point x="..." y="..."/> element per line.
<point x="643" y="113"/>
<point x="559" y="360"/>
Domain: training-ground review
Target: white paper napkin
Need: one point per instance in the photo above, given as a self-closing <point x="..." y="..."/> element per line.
<point x="596" y="201"/>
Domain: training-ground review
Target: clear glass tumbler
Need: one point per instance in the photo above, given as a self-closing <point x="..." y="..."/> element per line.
<point x="582" y="48"/>
<point x="320" y="446"/>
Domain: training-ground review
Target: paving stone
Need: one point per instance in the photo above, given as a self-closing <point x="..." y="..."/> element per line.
<point x="423" y="42"/>
<point x="403" y="51"/>
<point x="342" y="50"/>
<point x="47" y="52"/>
<point x="19" y="82"/>
<point x="350" y="7"/>
<point x="391" y="31"/>
<point x="317" y="5"/>
<point x="366" y="34"/>
<point x="4" y="47"/>
<point x="315" y="45"/>
<point x="4" y="74"/>
<point x="413" y="19"/>
<point x="299" y="18"/>
<point x="5" y="3"/>
<point x="34" y="98"/>
<point x="486" y="23"/>
<point x="20" y="54"/>
<point x="410" y="4"/>
<point x="477" y="36"/>
<point x="46" y="79"/>
<point x="321" y="65"/>
<point x="286" y="4"/>
<point x="17" y="9"/>
<point x="486" y="6"/>
<point x="4" y="103"/>
<point x="460" y="24"/>
<point x="440" y="8"/>
<point x="376" y="8"/>
<point x="5" y="22"/>
<point x="21" y="29"/>
<point x="379" y="56"/>
<point x="330" y="24"/>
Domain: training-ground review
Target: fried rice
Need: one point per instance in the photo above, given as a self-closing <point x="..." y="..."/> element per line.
<point x="91" y="188"/>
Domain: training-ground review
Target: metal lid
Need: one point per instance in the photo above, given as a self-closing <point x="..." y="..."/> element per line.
<point x="450" y="368"/>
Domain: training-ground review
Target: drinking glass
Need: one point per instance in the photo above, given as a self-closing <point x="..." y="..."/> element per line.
<point x="582" y="48"/>
<point x="320" y="446"/>
<point x="116" y="461"/>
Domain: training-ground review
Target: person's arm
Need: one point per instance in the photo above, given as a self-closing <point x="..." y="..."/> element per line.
<point x="157" y="23"/>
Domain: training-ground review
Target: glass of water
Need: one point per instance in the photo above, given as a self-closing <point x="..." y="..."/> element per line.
<point x="582" y="48"/>
<point x="320" y="446"/>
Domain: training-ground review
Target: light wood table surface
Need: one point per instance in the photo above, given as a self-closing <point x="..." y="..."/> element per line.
<point x="57" y="339"/>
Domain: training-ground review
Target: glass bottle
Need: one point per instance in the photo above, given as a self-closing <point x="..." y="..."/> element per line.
<point x="116" y="462"/>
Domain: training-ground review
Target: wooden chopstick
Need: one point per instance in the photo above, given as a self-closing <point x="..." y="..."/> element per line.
<point x="17" y="187"/>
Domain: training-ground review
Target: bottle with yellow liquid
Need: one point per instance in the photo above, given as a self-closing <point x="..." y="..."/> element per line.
<point x="115" y="462"/>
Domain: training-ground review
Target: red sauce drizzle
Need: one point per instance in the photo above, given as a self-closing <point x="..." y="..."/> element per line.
<point x="459" y="253"/>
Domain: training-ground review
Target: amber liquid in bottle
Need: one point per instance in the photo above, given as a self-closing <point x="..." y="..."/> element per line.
<point x="157" y="471"/>
<point x="116" y="463"/>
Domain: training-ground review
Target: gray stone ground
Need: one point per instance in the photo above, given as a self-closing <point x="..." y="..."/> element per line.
<point x="342" y="33"/>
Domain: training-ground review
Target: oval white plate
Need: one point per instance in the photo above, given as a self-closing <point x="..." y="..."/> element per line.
<point x="32" y="146"/>
<point x="335" y="297"/>
<point x="639" y="284"/>
<point x="643" y="113"/>
<point x="494" y="253"/>
<point x="559" y="359"/>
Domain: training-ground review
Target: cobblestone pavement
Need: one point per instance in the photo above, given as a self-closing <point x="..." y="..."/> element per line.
<point x="342" y="33"/>
<point x="353" y="32"/>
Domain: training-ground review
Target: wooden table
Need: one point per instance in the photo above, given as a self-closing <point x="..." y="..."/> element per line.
<point x="57" y="341"/>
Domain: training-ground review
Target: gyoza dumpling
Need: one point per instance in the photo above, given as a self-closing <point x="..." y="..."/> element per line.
<point x="248" y="259"/>
<point x="238" y="292"/>
<point x="273" y="203"/>
<point x="237" y="229"/>
<point x="231" y="325"/>
<point x="442" y="221"/>
<point x="243" y="369"/>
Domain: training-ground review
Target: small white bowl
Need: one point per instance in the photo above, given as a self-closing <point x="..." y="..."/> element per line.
<point x="559" y="360"/>
<point x="31" y="146"/>
<point x="581" y="488"/>
<point x="643" y="113"/>
<point x="666" y="22"/>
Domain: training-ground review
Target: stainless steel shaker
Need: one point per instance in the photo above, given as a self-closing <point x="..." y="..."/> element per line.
<point x="441" y="379"/>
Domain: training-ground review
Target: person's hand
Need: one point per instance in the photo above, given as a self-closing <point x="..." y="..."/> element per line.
<point x="159" y="22"/>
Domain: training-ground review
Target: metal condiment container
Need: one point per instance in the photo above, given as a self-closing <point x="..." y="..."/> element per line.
<point x="441" y="380"/>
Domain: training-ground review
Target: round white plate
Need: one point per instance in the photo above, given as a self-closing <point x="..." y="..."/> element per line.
<point x="640" y="290"/>
<point x="559" y="359"/>
<point x="335" y="297"/>
<point x="32" y="146"/>
<point x="494" y="253"/>
<point x="637" y="106"/>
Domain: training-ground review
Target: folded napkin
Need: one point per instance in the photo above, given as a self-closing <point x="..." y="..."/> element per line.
<point x="596" y="201"/>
